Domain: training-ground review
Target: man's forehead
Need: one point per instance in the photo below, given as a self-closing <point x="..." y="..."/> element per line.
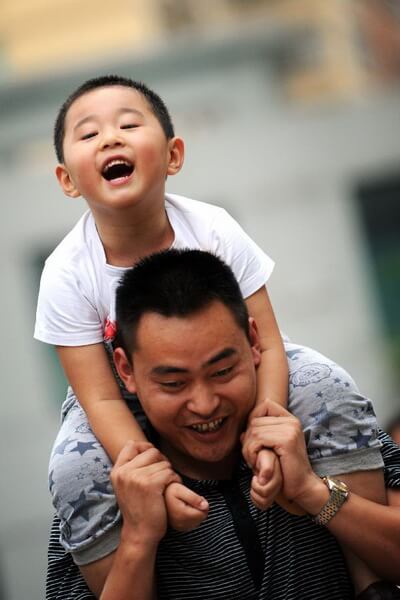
<point x="215" y="313"/>
<point x="211" y="331"/>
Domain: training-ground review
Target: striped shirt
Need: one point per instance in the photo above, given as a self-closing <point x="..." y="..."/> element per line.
<point x="239" y="552"/>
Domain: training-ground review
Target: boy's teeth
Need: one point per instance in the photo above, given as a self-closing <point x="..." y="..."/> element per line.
<point x="117" y="168"/>
<point x="116" y="162"/>
<point x="211" y="426"/>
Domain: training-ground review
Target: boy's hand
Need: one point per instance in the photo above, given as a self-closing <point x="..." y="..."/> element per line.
<point x="186" y="509"/>
<point x="267" y="479"/>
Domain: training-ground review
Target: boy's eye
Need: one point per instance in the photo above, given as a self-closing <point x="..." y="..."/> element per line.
<point x="87" y="136"/>
<point x="129" y="126"/>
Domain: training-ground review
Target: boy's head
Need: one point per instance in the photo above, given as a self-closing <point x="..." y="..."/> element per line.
<point x="176" y="283"/>
<point x="155" y="103"/>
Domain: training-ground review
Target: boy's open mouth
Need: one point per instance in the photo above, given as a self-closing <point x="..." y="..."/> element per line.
<point x="117" y="169"/>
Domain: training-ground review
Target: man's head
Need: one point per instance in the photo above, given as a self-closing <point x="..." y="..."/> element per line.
<point x="189" y="350"/>
<point x="154" y="101"/>
<point x="115" y="144"/>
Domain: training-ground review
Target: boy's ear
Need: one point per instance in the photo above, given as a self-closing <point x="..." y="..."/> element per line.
<point x="66" y="182"/>
<point x="176" y="155"/>
<point x="254" y="341"/>
<point x="125" y="369"/>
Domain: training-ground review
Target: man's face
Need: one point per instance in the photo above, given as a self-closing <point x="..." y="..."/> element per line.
<point x="196" y="380"/>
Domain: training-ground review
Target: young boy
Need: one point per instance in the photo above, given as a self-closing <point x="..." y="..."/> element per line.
<point x="116" y="146"/>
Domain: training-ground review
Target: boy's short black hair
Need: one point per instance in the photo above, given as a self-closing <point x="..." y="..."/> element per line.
<point x="175" y="283"/>
<point x="155" y="102"/>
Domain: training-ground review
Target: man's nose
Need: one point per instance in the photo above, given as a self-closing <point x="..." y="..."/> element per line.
<point x="203" y="401"/>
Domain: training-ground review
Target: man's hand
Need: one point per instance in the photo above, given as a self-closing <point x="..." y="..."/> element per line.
<point x="273" y="427"/>
<point x="140" y="477"/>
<point x="186" y="509"/>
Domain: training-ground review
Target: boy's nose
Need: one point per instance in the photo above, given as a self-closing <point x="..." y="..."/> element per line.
<point x="110" y="139"/>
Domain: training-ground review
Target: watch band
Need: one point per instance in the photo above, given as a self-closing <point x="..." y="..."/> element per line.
<point x="339" y="494"/>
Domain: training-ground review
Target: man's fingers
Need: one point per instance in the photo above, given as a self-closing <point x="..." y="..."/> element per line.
<point x="130" y="451"/>
<point x="142" y="453"/>
<point x="269" y="408"/>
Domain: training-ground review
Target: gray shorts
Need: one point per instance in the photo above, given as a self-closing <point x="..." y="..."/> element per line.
<point x="339" y="426"/>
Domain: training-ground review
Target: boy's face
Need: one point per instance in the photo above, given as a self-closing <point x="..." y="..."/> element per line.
<point x="196" y="380"/>
<point x="115" y="150"/>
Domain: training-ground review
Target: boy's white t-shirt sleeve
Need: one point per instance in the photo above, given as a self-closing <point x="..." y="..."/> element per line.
<point x="65" y="316"/>
<point x="250" y="265"/>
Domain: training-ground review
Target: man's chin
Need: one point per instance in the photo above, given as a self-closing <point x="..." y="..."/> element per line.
<point x="209" y="462"/>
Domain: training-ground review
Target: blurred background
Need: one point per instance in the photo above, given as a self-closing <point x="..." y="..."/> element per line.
<point x="290" y="110"/>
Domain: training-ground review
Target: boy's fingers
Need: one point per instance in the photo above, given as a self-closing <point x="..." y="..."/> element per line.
<point x="267" y="466"/>
<point x="250" y="451"/>
<point x="190" y="498"/>
<point x="189" y="519"/>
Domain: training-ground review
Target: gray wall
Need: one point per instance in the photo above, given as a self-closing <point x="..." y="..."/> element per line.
<point x="286" y="173"/>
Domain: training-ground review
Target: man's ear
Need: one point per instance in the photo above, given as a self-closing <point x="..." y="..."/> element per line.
<point x="66" y="183"/>
<point x="125" y="369"/>
<point x="254" y="341"/>
<point x="176" y="155"/>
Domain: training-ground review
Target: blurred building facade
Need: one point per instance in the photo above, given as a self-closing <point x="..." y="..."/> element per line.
<point x="290" y="113"/>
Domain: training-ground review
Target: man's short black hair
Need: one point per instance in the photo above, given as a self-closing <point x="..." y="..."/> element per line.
<point x="155" y="102"/>
<point x="175" y="283"/>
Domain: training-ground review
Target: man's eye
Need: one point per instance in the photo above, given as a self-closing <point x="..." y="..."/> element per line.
<point x="172" y="385"/>
<point x="223" y="372"/>
<point x="87" y="136"/>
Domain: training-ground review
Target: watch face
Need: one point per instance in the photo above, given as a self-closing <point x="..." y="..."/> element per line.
<point x="337" y="484"/>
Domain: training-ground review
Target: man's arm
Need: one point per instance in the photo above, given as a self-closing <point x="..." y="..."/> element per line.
<point x="140" y="472"/>
<point x="366" y="527"/>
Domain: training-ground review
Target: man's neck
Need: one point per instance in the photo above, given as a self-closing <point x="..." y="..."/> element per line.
<point x="199" y="470"/>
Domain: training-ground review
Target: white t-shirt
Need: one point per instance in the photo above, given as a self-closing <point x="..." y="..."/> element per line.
<point x="76" y="304"/>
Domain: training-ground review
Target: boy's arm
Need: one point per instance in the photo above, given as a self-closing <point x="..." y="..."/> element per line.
<point x="89" y="373"/>
<point x="273" y="373"/>
<point x="272" y="383"/>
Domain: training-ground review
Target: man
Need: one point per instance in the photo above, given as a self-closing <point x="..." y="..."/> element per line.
<point x="190" y="352"/>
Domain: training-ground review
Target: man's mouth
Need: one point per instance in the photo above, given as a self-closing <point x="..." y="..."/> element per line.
<point x="211" y="426"/>
<point x="117" y="169"/>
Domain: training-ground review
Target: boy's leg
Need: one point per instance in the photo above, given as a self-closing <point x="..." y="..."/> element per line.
<point x="79" y="482"/>
<point x="338" y="422"/>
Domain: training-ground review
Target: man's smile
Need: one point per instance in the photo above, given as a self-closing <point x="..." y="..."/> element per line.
<point x="210" y="426"/>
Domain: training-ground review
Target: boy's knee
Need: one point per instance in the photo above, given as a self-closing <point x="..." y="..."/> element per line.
<point x="319" y="388"/>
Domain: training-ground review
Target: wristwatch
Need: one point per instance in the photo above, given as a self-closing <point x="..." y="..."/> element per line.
<point x="339" y="494"/>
